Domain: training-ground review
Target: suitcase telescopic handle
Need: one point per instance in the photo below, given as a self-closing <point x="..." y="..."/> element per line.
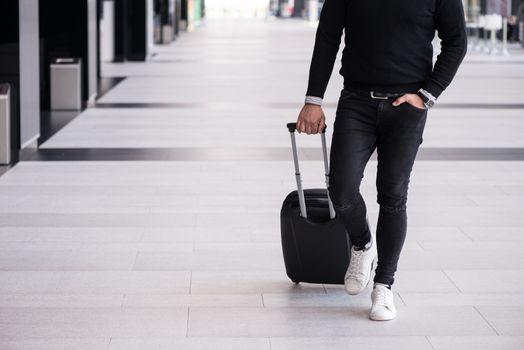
<point x="301" y="199"/>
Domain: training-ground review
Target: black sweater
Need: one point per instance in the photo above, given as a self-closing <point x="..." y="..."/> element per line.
<point x="388" y="44"/>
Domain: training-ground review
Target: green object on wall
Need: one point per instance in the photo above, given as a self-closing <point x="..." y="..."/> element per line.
<point x="198" y="12"/>
<point x="194" y="13"/>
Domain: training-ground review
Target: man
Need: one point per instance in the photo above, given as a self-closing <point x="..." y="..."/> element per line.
<point x="389" y="84"/>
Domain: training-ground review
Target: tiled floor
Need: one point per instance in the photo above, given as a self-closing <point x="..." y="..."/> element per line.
<point x="186" y="254"/>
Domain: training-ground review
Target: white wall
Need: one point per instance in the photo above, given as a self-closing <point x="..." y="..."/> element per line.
<point x="29" y="72"/>
<point x="92" y="43"/>
<point x="236" y="8"/>
<point x="107" y="32"/>
<point x="150" y="28"/>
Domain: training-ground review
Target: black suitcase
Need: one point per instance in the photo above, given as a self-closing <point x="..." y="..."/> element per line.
<point x="315" y="244"/>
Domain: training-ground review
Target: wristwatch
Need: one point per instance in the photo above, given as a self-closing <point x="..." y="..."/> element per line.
<point x="427" y="97"/>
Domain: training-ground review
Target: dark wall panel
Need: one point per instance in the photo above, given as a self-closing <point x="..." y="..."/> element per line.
<point x="131" y="30"/>
<point x="136" y="39"/>
<point x="63" y="29"/>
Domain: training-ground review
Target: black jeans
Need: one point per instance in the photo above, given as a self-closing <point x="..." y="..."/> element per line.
<point x="363" y="124"/>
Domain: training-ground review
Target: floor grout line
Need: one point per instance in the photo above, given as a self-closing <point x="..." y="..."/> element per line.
<point x="485" y="320"/>
<point x="451" y="280"/>
<point x="429" y="342"/>
<point x="402" y="299"/>
<point x="190" y="281"/>
<point x="187" y="322"/>
<point x="465" y="233"/>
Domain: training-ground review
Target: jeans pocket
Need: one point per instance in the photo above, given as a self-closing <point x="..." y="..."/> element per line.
<point x="415" y="108"/>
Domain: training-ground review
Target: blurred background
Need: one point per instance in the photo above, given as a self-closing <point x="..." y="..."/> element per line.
<point x="96" y="33"/>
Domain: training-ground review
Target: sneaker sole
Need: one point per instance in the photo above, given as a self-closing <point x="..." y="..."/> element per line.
<point x="382" y="318"/>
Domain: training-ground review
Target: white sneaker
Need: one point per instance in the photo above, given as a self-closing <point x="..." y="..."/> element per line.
<point x="359" y="269"/>
<point x="383" y="305"/>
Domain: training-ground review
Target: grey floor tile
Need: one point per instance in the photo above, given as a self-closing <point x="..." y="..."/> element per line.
<point x="265" y="235"/>
<point x="209" y="261"/>
<point x="8" y="235"/>
<point x="423" y="281"/>
<point x="167" y="235"/>
<point x="192" y="300"/>
<point x="82" y="234"/>
<point x="334" y="298"/>
<point x="124" y="282"/>
<point x="334" y="321"/>
<point x="134" y="247"/>
<point x="60" y="300"/>
<point x="55" y="344"/>
<point x="430" y="234"/>
<point x="98" y="220"/>
<point x="357" y="343"/>
<point x="66" y="260"/>
<point x="487" y="281"/>
<point x="506" y="320"/>
<point x="462" y="299"/>
<point x="463" y="255"/>
<point x="30" y="281"/>
<point x="233" y="220"/>
<point x="200" y="343"/>
<point x="494" y="234"/>
<point x="232" y="282"/>
<point x="274" y="247"/>
<point x="477" y="342"/>
<point x="29" y="323"/>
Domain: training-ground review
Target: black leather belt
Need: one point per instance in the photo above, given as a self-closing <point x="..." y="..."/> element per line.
<point x="377" y="95"/>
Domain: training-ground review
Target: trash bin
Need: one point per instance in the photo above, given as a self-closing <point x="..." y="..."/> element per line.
<point x="5" y="125"/>
<point x="66" y="84"/>
<point x="167" y="34"/>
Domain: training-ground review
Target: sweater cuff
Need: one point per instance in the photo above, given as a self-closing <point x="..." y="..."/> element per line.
<point x="433" y="88"/>
<point x="314" y="100"/>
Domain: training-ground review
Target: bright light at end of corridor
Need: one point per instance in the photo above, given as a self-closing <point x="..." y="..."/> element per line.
<point x="237" y="8"/>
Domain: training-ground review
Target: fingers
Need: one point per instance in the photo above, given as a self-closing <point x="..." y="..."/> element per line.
<point x="323" y="124"/>
<point x="299" y="125"/>
<point x="412" y="99"/>
<point x="309" y="128"/>
<point x="315" y="128"/>
<point x="400" y="100"/>
<point x="304" y="126"/>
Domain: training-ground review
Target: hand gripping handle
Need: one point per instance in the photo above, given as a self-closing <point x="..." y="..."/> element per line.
<point x="293" y="126"/>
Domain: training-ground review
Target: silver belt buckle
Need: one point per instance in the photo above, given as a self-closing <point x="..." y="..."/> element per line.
<point x="372" y="93"/>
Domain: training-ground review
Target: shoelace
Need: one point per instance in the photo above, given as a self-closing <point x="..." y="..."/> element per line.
<point x="355" y="263"/>
<point x="382" y="297"/>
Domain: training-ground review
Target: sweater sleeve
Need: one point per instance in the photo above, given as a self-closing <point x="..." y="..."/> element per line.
<point x="327" y="42"/>
<point x="451" y="28"/>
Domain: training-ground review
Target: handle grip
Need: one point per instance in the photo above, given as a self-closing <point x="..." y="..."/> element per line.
<point x="292" y="127"/>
